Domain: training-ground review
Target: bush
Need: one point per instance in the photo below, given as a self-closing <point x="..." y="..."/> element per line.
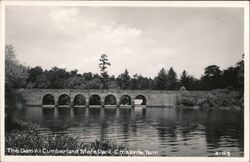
<point x="182" y="88"/>
<point x="25" y="135"/>
<point x="215" y="98"/>
<point x="13" y="100"/>
<point x="186" y="99"/>
<point x="201" y="101"/>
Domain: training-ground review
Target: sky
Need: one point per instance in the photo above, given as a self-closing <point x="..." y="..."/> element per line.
<point x="140" y="39"/>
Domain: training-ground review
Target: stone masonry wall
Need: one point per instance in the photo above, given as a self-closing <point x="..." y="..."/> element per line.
<point x="153" y="97"/>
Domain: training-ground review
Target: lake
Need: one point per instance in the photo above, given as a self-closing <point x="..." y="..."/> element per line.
<point x="169" y="131"/>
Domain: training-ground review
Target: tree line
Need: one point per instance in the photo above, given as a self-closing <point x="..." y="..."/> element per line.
<point x="20" y="76"/>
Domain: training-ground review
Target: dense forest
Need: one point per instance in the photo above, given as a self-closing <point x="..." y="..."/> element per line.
<point x="20" y="76"/>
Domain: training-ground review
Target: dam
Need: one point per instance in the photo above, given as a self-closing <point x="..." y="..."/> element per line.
<point x="82" y="97"/>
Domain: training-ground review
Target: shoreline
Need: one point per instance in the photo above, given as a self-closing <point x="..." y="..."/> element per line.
<point x="25" y="139"/>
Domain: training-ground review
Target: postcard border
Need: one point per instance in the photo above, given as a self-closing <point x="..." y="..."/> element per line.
<point x="243" y="4"/>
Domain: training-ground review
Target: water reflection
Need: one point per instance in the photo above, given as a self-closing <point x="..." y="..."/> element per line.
<point x="48" y="116"/>
<point x="167" y="130"/>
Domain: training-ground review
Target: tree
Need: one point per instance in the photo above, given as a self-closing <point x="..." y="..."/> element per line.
<point x="87" y="76"/>
<point x="230" y="77"/>
<point x="33" y="73"/>
<point x="42" y="82"/>
<point x="112" y="84"/>
<point x="212" y="78"/>
<point x="172" y="79"/>
<point x="15" y="77"/>
<point x="57" y="76"/>
<point x="123" y="80"/>
<point x="94" y="83"/>
<point x="141" y="83"/>
<point x="196" y="84"/>
<point x="240" y="76"/>
<point x="75" y="82"/>
<point x="134" y="82"/>
<point x="103" y="65"/>
<point x="186" y="80"/>
<point x="73" y="72"/>
<point x="15" y="73"/>
<point x="212" y="71"/>
<point x="161" y="80"/>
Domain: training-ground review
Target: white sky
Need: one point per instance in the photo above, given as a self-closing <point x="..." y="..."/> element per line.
<point x="143" y="40"/>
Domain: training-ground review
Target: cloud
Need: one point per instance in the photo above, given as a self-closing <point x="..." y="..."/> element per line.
<point x="64" y="15"/>
<point x="88" y="31"/>
<point x="66" y="19"/>
<point x="141" y="41"/>
<point x="115" y="34"/>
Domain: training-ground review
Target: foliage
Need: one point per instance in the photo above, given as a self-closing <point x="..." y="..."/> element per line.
<point x="112" y="84"/>
<point x="56" y="77"/>
<point x="123" y="80"/>
<point x="94" y="83"/>
<point x="230" y="77"/>
<point x="15" y="73"/>
<point x="172" y="79"/>
<point x="183" y="88"/>
<point x="212" y="78"/>
<point x="19" y="76"/>
<point x="103" y="65"/>
<point x="75" y="82"/>
<point x="34" y="73"/>
<point x="161" y="80"/>
<point x="186" y="80"/>
<point x="15" y="77"/>
<point x="240" y="72"/>
<point x="166" y="80"/>
<point x="141" y="83"/>
<point x="25" y="135"/>
<point x="215" y="98"/>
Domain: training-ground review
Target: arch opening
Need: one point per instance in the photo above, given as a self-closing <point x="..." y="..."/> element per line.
<point x="95" y="100"/>
<point x="125" y="100"/>
<point x="110" y="100"/>
<point x="79" y="100"/>
<point x="140" y="99"/>
<point x="64" y="99"/>
<point x="48" y="99"/>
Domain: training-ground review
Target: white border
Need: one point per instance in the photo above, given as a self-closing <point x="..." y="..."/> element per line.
<point x="243" y="4"/>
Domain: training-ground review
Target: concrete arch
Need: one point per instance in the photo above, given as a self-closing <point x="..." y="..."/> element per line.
<point x="143" y="98"/>
<point x="79" y="99"/>
<point x="48" y="99"/>
<point x="95" y="99"/>
<point x="110" y="100"/>
<point x="57" y="95"/>
<point x="153" y="97"/>
<point x="64" y="99"/>
<point x="125" y="100"/>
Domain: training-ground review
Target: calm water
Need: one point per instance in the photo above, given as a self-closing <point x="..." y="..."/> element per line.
<point x="171" y="132"/>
